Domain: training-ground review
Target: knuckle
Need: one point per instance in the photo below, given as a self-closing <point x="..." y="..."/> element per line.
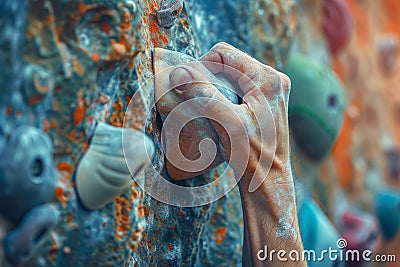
<point x="220" y="46"/>
<point x="253" y="75"/>
<point x="273" y="79"/>
<point x="274" y="74"/>
<point x="285" y="81"/>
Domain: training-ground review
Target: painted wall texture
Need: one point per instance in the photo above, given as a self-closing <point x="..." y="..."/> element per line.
<point x="70" y="71"/>
<point x="77" y="74"/>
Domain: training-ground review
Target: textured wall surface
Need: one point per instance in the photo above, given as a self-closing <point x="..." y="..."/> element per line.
<point x="75" y="73"/>
<point x="359" y="40"/>
<point x="70" y="65"/>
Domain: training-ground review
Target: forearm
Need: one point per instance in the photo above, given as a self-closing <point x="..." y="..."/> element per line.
<point x="270" y="221"/>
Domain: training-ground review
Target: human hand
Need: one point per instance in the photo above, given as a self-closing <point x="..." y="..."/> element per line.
<point x="183" y="129"/>
<point x="261" y="119"/>
<point x="254" y="140"/>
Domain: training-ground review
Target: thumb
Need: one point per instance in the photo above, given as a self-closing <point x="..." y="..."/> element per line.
<point x="226" y="117"/>
<point x="191" y="85"/>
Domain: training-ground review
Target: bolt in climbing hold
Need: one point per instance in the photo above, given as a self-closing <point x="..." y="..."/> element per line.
<point x="168" y="12"/>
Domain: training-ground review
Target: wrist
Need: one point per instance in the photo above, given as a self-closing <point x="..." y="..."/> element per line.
<point x="270" y="216"/>
<point x="268" y="179"/>
<point x="276" y="185"/>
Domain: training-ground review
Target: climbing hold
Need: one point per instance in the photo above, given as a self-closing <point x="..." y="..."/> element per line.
<point x="337" y="23"/>
<point x="21" y="244"/>
<point x="103" y="173"/>
<point x="38" y="82"/>
<point x="388" y="51"/>
<point x="316" y="106"/>
<point x="317" y="232"/>
<point x="27" y="174"/>
<point x="387" y="210"/>
<point x="168" y="12"/>
<point x="360" y="230"/>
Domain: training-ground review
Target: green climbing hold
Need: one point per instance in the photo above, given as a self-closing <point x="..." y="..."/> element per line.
<point x="316" y="106"/>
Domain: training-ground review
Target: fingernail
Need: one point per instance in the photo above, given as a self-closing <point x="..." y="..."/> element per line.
<point x="180" y="76"/>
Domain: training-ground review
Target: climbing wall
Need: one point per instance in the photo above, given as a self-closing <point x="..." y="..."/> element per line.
<point x="74" y="76"/>
<point x="369" y="67"/>
<point x="359" y="40"/>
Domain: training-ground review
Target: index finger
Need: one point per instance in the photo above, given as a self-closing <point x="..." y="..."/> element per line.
<point x="243" y="69"/>
<point x="227" y="55"/>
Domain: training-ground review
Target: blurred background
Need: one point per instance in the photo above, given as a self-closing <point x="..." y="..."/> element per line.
<point x="359" y="41"/>
<point x="71" y="67"/>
